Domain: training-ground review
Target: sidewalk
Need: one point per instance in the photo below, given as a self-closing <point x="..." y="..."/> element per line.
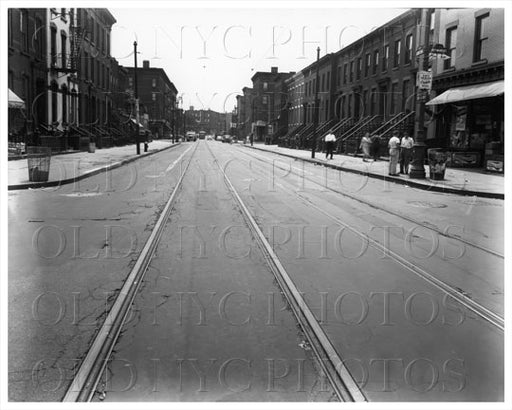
<point x="67" y="168"/>
<point x="461" y="181"/>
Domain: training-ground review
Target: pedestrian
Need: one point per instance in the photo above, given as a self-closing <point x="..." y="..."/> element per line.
<point x="394" y="151"/>
<point x="252" y="139"/>
<point x="365" y="146"/>
<point x="405" y="152"/>
<point x="330" y="140"/>
<point x="375" y="146"/>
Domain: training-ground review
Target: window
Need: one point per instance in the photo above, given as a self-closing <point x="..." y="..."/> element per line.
<point x="153" y="96"/>
<point x="63" y="40"/>
<point x="53" y="47"/>
<point x="394" y="98"/>
<point x="265" y="86"/>
<point x="368" y="63"/>
<point x="351" y="71"/>
<point x="385" y="58"/>
<point x="38" y="37"/>
<point x="153" y="82"/>
<point x="345" y="72"/>
<point x="54" y="102"/>
<point x="328" y="80"/>
<point x="10" y="28"/>
<point x="396" y="58"/>
<point x="373" y="102"/>
<point x="264" y="99"/>
<point x="322" y="88"/>
<point x="408" y="49"/>
<point x="406" y="92"/>
<point x="375" y="61"/>
<point x="349" y="110"/>
<point x="24" y="30"/>
<point x="343" y="106"/>
<point x="64" y="104"/>
<point x="359" y="68"/>
<point x="108" y="43"/>
<point x="451" y="42"/>
<point x="365" y="102"/>
<point x="338" y="76"/>
<point x="481" y="37"/>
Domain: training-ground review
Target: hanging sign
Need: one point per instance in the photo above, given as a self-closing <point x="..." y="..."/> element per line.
<point x="424" y="80"/>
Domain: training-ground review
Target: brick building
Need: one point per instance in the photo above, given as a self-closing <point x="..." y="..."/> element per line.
<point x="467" y="101"/>
<point x="157" y="99"/>
<point x="245" y="108"/>
<point x="208" y="121"/>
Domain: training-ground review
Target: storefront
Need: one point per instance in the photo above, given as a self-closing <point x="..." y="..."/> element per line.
<point x="469" y="122"/>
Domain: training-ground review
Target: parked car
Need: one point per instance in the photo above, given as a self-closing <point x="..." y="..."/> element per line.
<point x="227" y="138"/>
<point x="219" y="138"/>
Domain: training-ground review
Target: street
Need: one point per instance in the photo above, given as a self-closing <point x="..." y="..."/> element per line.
<point x="400" y="290"/>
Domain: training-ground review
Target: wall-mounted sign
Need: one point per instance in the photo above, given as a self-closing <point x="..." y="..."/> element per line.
<point x="424" y="80"/>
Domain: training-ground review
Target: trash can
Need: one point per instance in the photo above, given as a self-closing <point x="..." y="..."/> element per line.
<point x="437" y="159"/>
<point x="38" y="163"/>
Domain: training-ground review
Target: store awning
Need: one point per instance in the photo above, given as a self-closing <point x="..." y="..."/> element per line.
<point x="470" y="92"/>
<point x="15" y="101"/>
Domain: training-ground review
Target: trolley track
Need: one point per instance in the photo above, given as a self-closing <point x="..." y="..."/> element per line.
<point x="379" y="207"/>
<point x="84" y="384"/>
<point x="458" y="295"/>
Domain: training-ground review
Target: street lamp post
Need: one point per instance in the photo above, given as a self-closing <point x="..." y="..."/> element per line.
<point x="136" y="94"/>
<point x="316" y="105"/>
<point x="417" y="166"/>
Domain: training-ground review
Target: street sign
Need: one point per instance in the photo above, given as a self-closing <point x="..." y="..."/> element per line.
<point x="424" y="80"/>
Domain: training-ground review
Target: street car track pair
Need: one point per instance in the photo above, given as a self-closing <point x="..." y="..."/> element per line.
<point x="483" y="312"/>
<point x="83" y="385"/>
<point x="382" y="208"/>
<point x="332" y="364"/>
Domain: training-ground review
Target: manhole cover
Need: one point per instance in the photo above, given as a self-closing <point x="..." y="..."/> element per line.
<point x="425" y="204"/>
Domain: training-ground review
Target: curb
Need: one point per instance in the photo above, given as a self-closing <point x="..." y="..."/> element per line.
<point x="86" y="174"/>
<point x="408" y="182"/>
<point x="24" y="156"/>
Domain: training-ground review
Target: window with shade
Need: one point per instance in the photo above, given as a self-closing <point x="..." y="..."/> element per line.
<point x="451" y="44"/>
<point x="368" y="63"/>
<point x="408" y="49"/>
<point x="481" y="37"/>
<point x="375" y="61"/>
<point x="397" y="51"/>
<point x="385" y="58"/>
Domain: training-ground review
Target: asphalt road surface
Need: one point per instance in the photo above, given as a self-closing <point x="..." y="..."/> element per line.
<point x="406" y="284"/>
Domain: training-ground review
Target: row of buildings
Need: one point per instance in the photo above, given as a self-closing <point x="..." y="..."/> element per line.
<point x="66" y="90"/>
<point x="372" y="86"/>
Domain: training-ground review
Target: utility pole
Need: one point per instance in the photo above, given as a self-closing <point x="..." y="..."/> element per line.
<point x="316" y="105"/>
<point x="417" y="166"/>
<point x="136" y="94"/>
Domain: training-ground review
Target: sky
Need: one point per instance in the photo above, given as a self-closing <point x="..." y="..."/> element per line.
<point x="211" y="54"/>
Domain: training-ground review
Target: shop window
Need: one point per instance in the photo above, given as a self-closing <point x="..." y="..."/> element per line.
<point x="481" y="37"/>
<point x="451" y="43"/>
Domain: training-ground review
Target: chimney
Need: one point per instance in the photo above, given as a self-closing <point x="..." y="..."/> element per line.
<point x="145" y="64"/>
<point x="273" y="70"/>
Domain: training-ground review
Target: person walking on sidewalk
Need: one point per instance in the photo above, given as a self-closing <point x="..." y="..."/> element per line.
<point x="365" y="146"/>
<point x="330" y="139"/>
<point x="405" y="152"/>
<point x="394" y="147"/>
<point x="375" y="146"/>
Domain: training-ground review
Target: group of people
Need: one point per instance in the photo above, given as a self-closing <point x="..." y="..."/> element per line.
<point x="400" y="150"/>
<point x="370" y="145"/>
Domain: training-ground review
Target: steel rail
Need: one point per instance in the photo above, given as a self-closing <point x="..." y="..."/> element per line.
<point x="384" y="209"/>
<point x="83" y="385"/>
<point x="485" y="313"/>
<point x="332" y="364"/>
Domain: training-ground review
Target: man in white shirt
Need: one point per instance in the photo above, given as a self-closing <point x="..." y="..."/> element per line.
<point x="394" y="151"/>
<point x="330" y="139"/>
<point x="405" y="152"/>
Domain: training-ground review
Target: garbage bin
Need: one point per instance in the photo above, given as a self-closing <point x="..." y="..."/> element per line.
<point x="437" y="159"/>
<point x="38" y="163"/>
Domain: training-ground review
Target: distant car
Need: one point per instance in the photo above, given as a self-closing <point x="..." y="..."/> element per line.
<point x="227" y="138"/>
<point x="209" y="137"/>
<point x="219" y="138"/>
